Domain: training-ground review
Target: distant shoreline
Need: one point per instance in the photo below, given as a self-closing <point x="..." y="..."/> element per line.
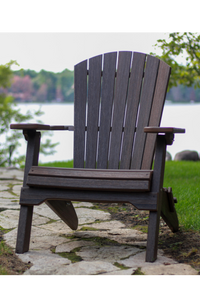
<point x="167" y="102"/>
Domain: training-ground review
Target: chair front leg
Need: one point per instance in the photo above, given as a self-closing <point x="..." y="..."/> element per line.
<point x="154" y="216"/>
<point x="24" y="229"/>
<point x="26" y="211"/>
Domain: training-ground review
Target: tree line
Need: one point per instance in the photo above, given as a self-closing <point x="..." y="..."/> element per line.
<point x="27" y="89"/>
<point x="183" y="94"/>
<point x="43" y="86"/>
<point x="30" y="86"/>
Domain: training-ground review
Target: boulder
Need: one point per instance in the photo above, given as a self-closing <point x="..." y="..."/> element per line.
<point x="187" y="155"/>
<point x="168" y="156"/>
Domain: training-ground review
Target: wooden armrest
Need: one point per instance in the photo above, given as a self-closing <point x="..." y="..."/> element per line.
<point x="163" y="130"/>
<point x="62" y="127"/>
<point x="30" y="126"/>
<point x="36" y="126"/>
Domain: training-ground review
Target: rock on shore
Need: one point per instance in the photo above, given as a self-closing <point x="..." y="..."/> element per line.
<point x="187" y="155"/>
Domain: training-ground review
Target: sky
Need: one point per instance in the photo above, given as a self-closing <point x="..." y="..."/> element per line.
<point x="57" y="51"/>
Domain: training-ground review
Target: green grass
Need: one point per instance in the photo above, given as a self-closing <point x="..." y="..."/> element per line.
<point x="184" y="178"/>
<point x="4" y="251"/>
<point x="58" y="164"/>
<point x="3" y="271"/>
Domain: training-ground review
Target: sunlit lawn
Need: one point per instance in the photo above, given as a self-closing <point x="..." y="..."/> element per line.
<point x="184" y="178"/>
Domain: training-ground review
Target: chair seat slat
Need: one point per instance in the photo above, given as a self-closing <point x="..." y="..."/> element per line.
<point x="89" y="184"/>
<point x="91" y="173"/>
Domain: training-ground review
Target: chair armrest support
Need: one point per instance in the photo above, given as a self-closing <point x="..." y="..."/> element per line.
<point x="167" y="131"/>
<point x="36" y="126"/>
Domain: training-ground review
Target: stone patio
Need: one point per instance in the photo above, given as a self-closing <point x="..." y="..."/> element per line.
<point x="100" y="246"/>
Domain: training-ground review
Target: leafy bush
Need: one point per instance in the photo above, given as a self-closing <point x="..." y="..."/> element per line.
<point x="10" y="139"/>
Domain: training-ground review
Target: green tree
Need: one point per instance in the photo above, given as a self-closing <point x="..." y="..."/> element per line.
<point x="45" y="86"/>
<point x="65" y="82"/>
<point x="187" y="46"/>
<point x="10" y="139"/>
<point x="49" y="79"/>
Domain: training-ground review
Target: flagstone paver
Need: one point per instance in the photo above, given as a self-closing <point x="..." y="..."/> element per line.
<point x="103" y="246"/>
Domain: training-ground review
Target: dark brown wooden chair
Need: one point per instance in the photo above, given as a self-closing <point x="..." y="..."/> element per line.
<point x="118" y="104"/>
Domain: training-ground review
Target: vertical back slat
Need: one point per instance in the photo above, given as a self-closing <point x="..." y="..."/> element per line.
<point x="122" y="80"/>
<point x="133" y="99"/>
<point x="94" y="92"/>
<point x="148" y="89"/>
<point x="109" y="69"/>
<point x="156" y="112"/>
<point x="80" y="97"/>
<point x="133" y="102"/>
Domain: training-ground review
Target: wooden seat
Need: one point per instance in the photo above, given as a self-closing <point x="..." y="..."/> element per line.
<point x="119" y="99"/>
<point x="88" y="179"/>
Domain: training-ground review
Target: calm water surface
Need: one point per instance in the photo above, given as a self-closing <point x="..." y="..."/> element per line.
<point x="175" y="115"/>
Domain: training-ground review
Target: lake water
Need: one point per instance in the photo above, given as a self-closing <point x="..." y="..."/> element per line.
<point x="175" y="115"/>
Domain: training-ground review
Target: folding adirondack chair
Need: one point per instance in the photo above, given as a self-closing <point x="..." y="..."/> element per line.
<point x="119" y="99"/>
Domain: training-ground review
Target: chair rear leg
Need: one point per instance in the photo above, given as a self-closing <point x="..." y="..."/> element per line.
<point x="157" y="183"/>
<point x="24" y="229"/>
